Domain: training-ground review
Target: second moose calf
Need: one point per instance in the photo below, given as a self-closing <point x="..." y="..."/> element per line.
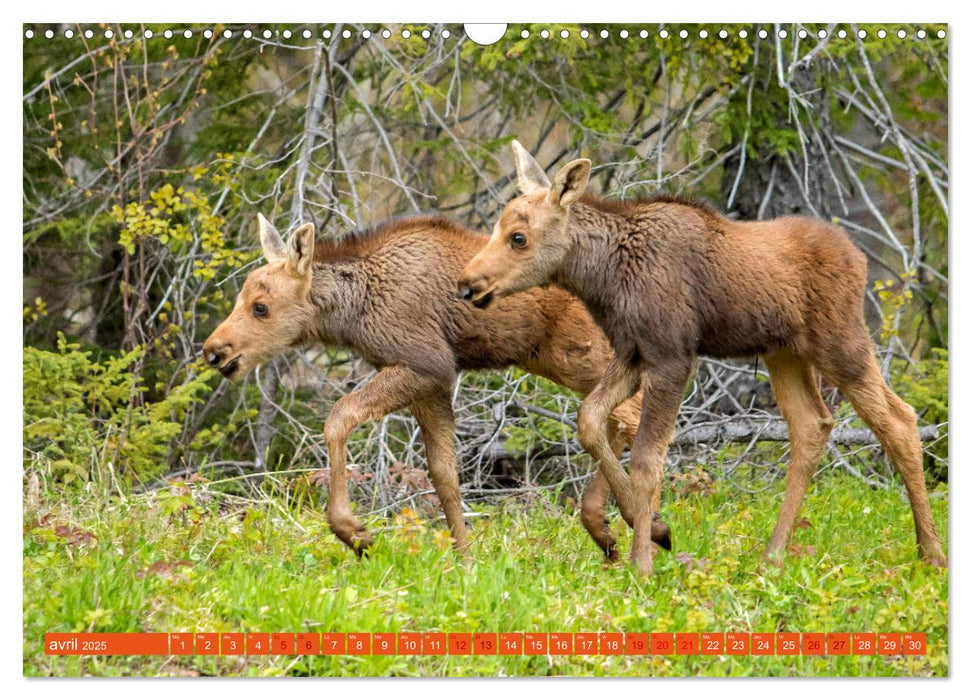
<point x="668" y="281"/>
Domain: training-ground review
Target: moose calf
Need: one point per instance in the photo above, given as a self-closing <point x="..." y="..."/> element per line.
<point x="668" y="281"/>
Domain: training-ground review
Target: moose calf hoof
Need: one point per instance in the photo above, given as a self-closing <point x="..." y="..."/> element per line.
<point x="359" y="542"/>
<point x="660" y="532"/>
<point x="772" y="560"/>
<point x="461" y="546"/>
<point x="349" y="531"/>
<point x="936" y="560"/>
<point x="612" y="553"/>
<point x="609" y="547"/>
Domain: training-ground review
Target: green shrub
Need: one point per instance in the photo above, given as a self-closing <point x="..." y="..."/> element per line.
<point x="81" y="411"/>
<point x="924" y="386"/>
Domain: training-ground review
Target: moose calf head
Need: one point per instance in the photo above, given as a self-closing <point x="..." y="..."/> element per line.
<point x="530" y="240"/>
<point x="272" y="311"/>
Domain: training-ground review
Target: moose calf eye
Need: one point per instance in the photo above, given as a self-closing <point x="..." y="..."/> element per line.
<point x="517" y="240"/>
<point x="259" y="309"/>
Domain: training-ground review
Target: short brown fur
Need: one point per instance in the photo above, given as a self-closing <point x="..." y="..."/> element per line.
<point x="389" y="295"/>
<point x="668" y="281"/>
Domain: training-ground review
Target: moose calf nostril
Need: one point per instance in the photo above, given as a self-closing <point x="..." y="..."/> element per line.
<point x="465" y="292"/>
<point x="214" y="359"/>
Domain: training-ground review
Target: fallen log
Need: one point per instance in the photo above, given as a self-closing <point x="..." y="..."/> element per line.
<point x="729" y="431"/>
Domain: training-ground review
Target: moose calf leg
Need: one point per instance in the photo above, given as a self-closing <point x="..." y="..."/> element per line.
<point x="593" y="504"/>
<point x="628" y="413"/>
<point x="346" y="414"/>
<point x="437" y="423"/>
<point x="810" y="422"/>
<point x="894" y="423"/>
<point x="599" y="438"/>
<point x="392" y="389"/>
<point x="618" y="384"/>
<point x="647" y="466"/>
<point x="663" y="388"/>
<point x="593" y="514"/>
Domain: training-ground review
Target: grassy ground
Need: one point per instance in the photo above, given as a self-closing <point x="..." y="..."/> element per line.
<point x="148" y="564"/>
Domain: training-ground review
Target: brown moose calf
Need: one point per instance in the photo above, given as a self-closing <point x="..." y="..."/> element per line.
<point x="668" y="281"/>
<point x="389" y="296"/>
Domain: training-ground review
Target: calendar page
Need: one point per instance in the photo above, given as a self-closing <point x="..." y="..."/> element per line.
<point x="583" y="350"/>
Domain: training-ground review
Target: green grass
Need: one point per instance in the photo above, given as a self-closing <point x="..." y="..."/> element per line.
<point x="853" y="567"/>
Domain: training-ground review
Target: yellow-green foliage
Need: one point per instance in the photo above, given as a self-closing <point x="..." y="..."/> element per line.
<point x="34" y="311"/>
<point x="178" y="219"/>
<point x="81" y="412"/>
<point x="893" y="298"/>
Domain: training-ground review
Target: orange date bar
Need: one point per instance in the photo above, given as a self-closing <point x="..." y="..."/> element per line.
<point x="712" y="644"/>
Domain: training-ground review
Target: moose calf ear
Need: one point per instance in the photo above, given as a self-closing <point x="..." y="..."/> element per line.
<point x="529" y="176"/>
<point x="569" y="183"/>
<point x="272" y="242"/>
<point x="300" y="250"/>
